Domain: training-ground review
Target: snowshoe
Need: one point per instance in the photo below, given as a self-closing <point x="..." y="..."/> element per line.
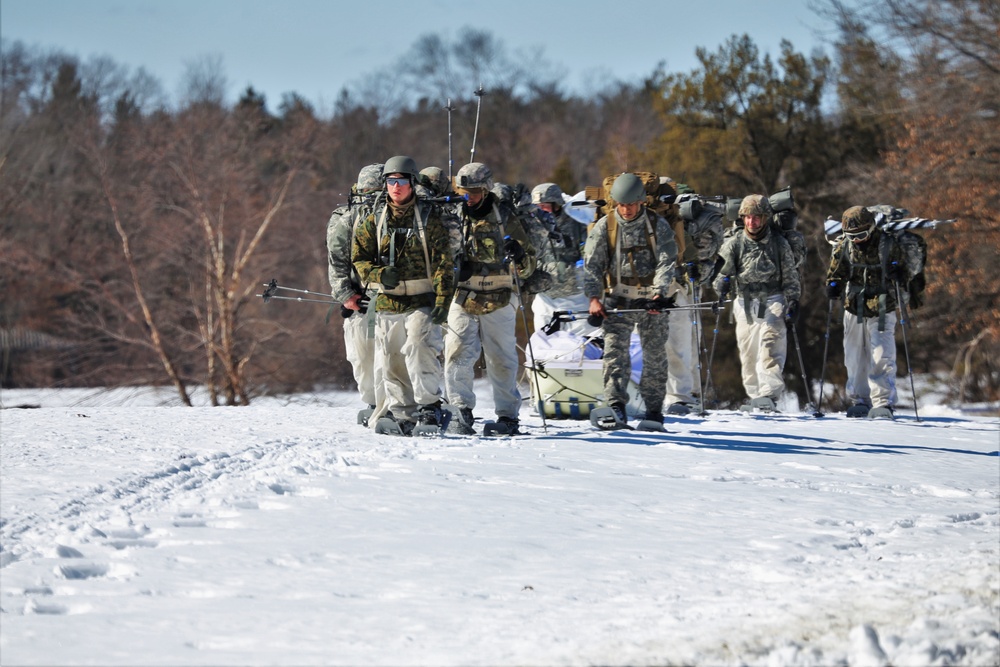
<point x="680" y="409"/>
<point x="609" y="418"/>
<point x="389" y="426"/>
<point x="883" y="412"/>
<point x="763" y="404"/>
<point x="431" y="419"/>
<point x="364" y="414"/>
<point x="502" y="426"/>
<point x="461" y="423"/>
<point x="859" y="411"/>
<point x="653" y="421"/>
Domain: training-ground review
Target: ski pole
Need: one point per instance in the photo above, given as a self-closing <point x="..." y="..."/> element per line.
<point x="906" y="348"/>
<point x="802" y="368"/>
<point x="709" y="389"/>
<point x="696" y="332"/>
<point x="451" y="162"/>
<point x="479" y="105"/>
<point x="826" y="347"/>
<point x="527" y="334"/>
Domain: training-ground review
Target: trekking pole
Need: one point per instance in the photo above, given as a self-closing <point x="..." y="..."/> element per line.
<point x="906" y="348"/>
<point x="709" y="389"/>
<point x="826" y="347"/>
<point x="527" y="334"/>
<point x="451" y="162"/>
<point x="802" y="368"/>
<point x="479" y="105"/>
<point x="696" y="321"/>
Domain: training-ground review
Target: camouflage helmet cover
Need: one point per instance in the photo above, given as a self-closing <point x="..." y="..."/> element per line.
<point x="435" y="179"/>
<point x="472" y="176"/>
<point x="755" y="205"/>
<point x="401" y="164"/>
<point x="628" y="189"/>
<point x="370" y="178"/>
<point x="503" y="192"/>
<point x="547" y="193"/>
<point x="857" y="219"/>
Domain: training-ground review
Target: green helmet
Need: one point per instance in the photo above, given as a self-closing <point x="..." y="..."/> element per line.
<point x="401" y="164"/>
<point x="628" y="189"/>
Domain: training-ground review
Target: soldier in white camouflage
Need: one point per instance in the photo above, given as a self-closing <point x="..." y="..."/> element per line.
<point x="865" y="268"/>
<point x="347" y="288"/>
<point x="496" y="255"/>
<point x="562" y="239"/>
<point x="761" y="265"/>
<point x="401" y="249"/>
<point x="702" y="228"/>
<point x="629" y="259"/>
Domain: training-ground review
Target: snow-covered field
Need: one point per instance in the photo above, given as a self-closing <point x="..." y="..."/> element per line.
<point x="285" y="534"/>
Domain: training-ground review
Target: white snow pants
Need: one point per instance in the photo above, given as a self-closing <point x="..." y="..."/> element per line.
<point x="493" y="335"/>
<point x="544" y="306"/>
<point x="408" y="347"/>
<point x="681" y="352"/>
<point x="763" y="344"/>
<point x="870" y="357"/>
<point x="359" y="347"/>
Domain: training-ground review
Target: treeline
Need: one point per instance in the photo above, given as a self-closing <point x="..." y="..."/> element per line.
<point x="135" y="234"/>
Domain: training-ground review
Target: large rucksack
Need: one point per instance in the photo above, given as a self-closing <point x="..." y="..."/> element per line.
<point x="913" y="247"/>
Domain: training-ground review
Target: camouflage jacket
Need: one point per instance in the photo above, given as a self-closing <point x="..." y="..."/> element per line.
<point x="417" y="245"/>
<point x="860" y="268"/>
<point x="759" y="269"/>
<point x="632" y="259"/>
<point x="344" y="280"/>
<point x="485" y="282"/>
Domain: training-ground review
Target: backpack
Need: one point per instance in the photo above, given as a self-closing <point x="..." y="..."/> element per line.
<point x="913" y="247"/>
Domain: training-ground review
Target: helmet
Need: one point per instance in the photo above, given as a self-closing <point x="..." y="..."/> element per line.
<point x="547" y="193"/>
<point x="503" y="192"/>
<point x="474" y="175"/>
<point x="628" y="189"/>
<point x="755" y="205"/>
<point x="370" y="178"/>
<point x="435" y="179"/>
<point x="858" y="223"/>
<point x="401" y="164"/>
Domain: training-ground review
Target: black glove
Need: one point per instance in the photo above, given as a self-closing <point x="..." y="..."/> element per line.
<point x="657" y="303"/>
<point x="896" y="273"/>
<point x="834" y="290"/>
<point x="513" y="249"/>
<point x="918" y="283"/>
<point x="792" y="312"/>
<point x="439" y="314"/>
<point x="694" y="274"/>
<point x="595" y="320"/>
<point x="389" y="277"/>
<point x="724" y="289"/>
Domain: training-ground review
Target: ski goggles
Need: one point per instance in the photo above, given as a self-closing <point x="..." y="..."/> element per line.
<point x="859" y="236"/>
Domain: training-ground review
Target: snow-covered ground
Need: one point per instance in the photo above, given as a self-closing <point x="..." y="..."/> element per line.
<point x="285" y="533"/>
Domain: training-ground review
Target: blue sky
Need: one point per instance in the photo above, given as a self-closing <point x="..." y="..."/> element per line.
<point x="316" y="47"/>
